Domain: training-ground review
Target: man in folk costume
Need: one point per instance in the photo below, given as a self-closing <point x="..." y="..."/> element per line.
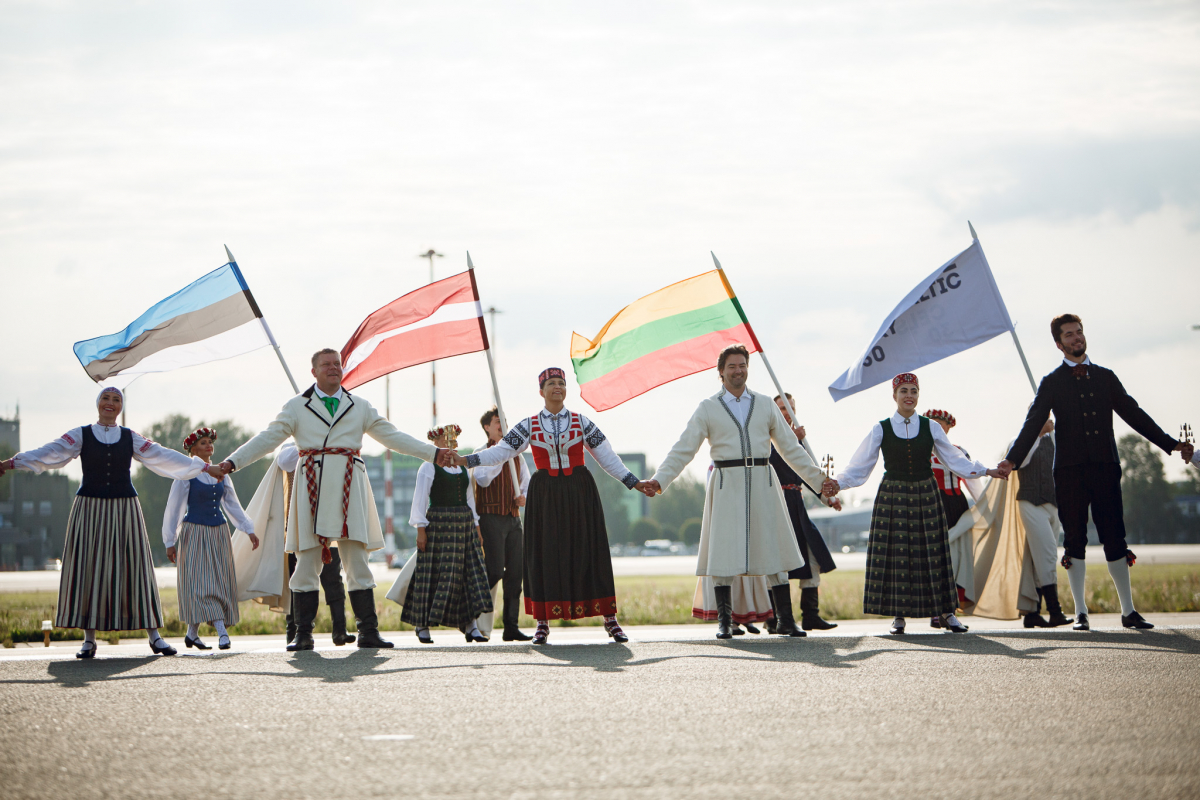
<point x="746" y="529"/>
<point x="1087" y="466"/>
<point x="499" y="504"/>
<point x="1038" y="508"/>
<point x="332" y="500"/>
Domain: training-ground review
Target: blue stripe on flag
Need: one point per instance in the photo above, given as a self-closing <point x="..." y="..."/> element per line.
<point x="212" y="288"/>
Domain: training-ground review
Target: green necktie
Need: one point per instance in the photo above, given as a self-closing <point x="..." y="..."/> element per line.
<point x="331" y="404"/>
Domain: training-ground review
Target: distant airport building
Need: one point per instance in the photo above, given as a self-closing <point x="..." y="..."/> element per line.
<point x="34" y="510"/>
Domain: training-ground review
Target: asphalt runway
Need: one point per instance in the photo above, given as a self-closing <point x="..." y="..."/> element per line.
<point x="1110" y="713"/>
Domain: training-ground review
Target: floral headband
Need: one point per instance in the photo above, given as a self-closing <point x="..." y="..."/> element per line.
<point x="547" y="374"/>
<point x="197" y="435"/>
<point x="937" y="413"/>
<point x="904" y="377"/>
<point x="441" y="431"/>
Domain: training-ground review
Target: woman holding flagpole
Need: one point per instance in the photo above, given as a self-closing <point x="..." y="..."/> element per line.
<point x="568" y="569"/>
<point x="193" y="520"/>
<point x="908" y="556"/>
<point x="107" y="578"/>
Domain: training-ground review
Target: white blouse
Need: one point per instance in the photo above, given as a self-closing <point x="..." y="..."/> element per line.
<point x="516" y="441"/>
<point x="862" y="463"/>
<point x="161" y="460"/>
<point x="420" y="503"/>
<point x="485" y="475"/>
<point x="177" y="505"/>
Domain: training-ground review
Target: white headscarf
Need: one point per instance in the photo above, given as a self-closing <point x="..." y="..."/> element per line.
<point x="109" y="389"/>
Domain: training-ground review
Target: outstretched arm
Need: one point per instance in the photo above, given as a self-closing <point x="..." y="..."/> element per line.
<point x="278" y="432"/>
<point x="1129" y="410"/>
<point x="391" y="437"/>
<point x="684" y="450"/>
<point x="602" y="450"/>
<point x="165" y="461"/>
<point x="789" y="447"/>
<point x="1039" y="412"/>
<point x="52" y="455"/>
<point x="513" y="443"/>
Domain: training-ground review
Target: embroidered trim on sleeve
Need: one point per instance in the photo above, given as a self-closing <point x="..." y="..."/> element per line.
<point x="517" y="437"/>
<point x="594" y="436"/>
<point x="66" y="437"/>
<point x="146" y="445"/>
<point x="630" y="480"/>
<point x="472" y="461"/>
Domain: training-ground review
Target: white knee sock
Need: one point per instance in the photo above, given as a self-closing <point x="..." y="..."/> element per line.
<point x="1119" y="571"/>
<point x="1077" y="575"/>
<point x="219" y="624"/>
<point x="152" y="633"/>
<point x="193" y="631"/>
<point x="89" y="635"/>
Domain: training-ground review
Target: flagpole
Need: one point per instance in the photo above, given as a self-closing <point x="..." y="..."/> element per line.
<point x="763" y="353"/>
<point x="266" y="327"/>
<point x="1012" y="330"/>
<point x="516" y="480"/>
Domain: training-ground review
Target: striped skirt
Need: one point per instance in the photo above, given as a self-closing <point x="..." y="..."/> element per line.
<point x="107" y="580"/>
<point x="449" y="586"/>
<point x="908" y="557"/>
<point x="207" y="581"/>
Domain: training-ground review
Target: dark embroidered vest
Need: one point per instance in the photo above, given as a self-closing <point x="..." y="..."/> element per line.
<point x="498" y="496"/>
<point x="106" y="466"/>
<point x="1037" y="477"/>
<point x="204" y="503"/>
<point x="448" y="490"/>
<point x="907" y="459"/>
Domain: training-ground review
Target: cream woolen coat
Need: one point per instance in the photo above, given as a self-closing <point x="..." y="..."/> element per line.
<point x="306" y="420"/>
<point x="746" y="529"/>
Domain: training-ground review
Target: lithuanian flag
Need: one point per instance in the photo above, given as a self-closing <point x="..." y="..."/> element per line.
<point x="675" y="332"/>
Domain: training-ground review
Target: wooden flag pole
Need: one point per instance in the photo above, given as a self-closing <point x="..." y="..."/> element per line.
<point x="1013" y="330"/>
<point x="516" y="478"/>
<point x="267" y="330"/>
<point x="778" y="387"/>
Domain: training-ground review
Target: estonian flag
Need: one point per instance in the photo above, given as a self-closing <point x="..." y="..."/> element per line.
<point x="209" y="320"/>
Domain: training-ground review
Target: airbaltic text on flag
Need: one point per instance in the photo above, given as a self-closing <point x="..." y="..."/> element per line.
<point x="954" y="309"/>
<point x="667" y="335"/>
<point x="211" y="319"/>
<point x="441" y="320"/>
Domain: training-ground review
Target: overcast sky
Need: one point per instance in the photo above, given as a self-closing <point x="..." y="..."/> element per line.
<point x="586" y="155"/>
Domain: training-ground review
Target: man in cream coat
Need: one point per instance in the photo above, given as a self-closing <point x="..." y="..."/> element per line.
<point x="331" y="499"/>
<point x="746" y="529"/>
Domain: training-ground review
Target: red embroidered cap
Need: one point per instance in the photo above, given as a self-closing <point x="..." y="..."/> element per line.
<point x="547" y="374"/>
<point x="904" y="377"/>
<point x="937" y="413"/>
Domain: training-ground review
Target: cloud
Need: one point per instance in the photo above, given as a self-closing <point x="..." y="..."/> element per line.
<point x="1081" y="178"/>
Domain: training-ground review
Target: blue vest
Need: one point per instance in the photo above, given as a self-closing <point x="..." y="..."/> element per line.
<point x="204" y="503"/>
<point x="106" y="466"/>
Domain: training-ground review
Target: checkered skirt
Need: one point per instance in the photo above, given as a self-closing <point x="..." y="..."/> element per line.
<point x="908" y="558"/>
<point x="449" y="586"/>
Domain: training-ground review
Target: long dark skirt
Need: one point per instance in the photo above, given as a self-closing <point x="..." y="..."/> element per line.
<point x="812" y="544"/>
<point x="107" y="580"/>
<point x="449" y="586"/>
<point x="568" y="569"/>
<point x="908" y="558"/>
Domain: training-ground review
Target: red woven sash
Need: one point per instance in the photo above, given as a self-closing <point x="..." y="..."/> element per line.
<point x="310" y="474"/>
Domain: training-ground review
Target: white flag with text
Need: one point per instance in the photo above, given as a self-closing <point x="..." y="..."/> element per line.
<point x="954" y="309"/>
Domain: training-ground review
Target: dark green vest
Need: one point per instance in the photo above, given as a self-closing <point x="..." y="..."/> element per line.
<point x="448" y="490"/>
<point x="907" y="459"/>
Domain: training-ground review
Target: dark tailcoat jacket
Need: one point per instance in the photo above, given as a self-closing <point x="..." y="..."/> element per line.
<point x="1083" y="407"/>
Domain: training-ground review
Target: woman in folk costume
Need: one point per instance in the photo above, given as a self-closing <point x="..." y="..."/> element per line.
<point x="107" y="578"/>
<point x="193" y="518"/>
<point x="954" y="504"/>
<point x="908" y="556"/>
<point x="817" y="559"/>
<point x="449" y="585"/>
<point x="568" y="569"/>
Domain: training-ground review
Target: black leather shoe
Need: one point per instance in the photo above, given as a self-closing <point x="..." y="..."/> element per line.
<point x="783" y="609"/>
<point x="896" y="630"/>
<point x="736" y="630"/>
<point x="1049" y="593"/>
<point x="810" y="616"/>
<point x="304" y="613"/>
<point x="515" y="635"/>
<point x="750" y="628"/>
<point x="1033" y="620"/>
<point x="542" y="635"/>
<point x="1058" y="619"/>
<point x="165" y="650"/>
<point x="1081" y="623"/>
<point x="1135" y="620"/>
<point x="426" y="639"/>
<point x="954" y="628"/>
<point x="369" y="638"/>
<point x="724" y="595"/>
<point x="935" y="622"/>
<point x="363" y="603"/>
<point x="337" y="616"/>
<point x="87" y="651"/>
<point x="224" y="643"/>
<point x="196" y="643"/>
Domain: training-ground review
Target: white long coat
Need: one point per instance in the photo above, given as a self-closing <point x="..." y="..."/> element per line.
<point x="746" y="529"/>
<point x="305" y="419"/>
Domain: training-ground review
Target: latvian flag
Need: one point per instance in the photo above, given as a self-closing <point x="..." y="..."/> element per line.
<point x="441" y="320"/>
<point x="208" y="320"/>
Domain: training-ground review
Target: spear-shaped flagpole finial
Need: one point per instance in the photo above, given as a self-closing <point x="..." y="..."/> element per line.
<point x="971" y="228"/>
<point x="232" y="260"/>
<point x="469" y="264"/>
<point x="714" y="255"/>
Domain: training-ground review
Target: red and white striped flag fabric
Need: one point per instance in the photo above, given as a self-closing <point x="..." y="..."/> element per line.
<point x="441" y="320"/>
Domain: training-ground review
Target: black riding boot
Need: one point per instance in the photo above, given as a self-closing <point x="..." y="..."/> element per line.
<point x="724" y="611"/>
<point x="291" y="625"/>
<point x="783" y="611"/>
<point x="304" y="608"/>
<point x="337" y="614"/>
<point x="810" y="617"/>
<point x="363" y="603"/>
<point x="1034" y="619"/>
<point x="1053" y="606"/>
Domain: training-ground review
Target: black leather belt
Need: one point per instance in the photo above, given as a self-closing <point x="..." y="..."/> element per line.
<point x="742" y="462"/>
